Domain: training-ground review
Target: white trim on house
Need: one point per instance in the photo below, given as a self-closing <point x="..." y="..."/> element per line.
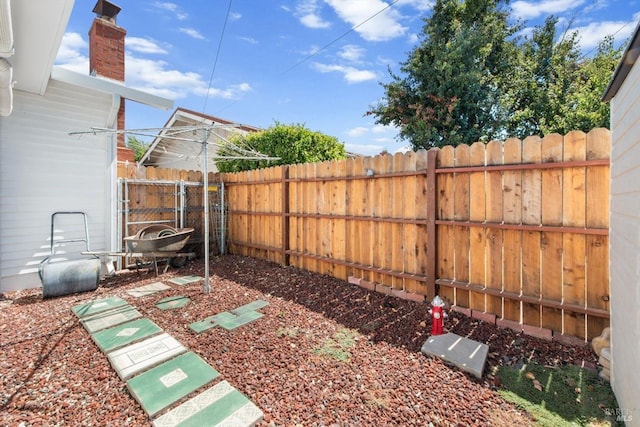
<point x="110" y="86"/>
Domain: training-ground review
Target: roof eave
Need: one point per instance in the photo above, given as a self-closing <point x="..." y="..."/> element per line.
<point x="111" y="87"/>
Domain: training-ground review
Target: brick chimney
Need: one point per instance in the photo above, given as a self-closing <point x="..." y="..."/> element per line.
<point x="106" y="58"/>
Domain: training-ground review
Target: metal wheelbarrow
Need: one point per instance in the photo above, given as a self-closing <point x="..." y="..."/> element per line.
<point x="68" y="276"/>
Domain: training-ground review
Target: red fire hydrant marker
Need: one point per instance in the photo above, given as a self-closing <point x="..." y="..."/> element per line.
<point x="437" y="316"/>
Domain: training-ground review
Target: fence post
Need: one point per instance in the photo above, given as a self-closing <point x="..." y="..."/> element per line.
<point x="431" y="223"/>
<point x="285" y="215"/>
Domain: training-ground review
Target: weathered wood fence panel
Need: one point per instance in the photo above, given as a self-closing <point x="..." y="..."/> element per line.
<point x="517" y="229"/>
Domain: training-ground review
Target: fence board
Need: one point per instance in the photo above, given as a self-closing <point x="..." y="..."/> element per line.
<point x="531" y="214"/>
<point x="398" y="195"/>
<point x="597" y="215"/>
<point x="413" y="206"/>
<point x="551" y="243"/>
<point x="574" y="214"/>
<point x="477" y="212"/>
<point x="512" y="239"/>
<point x="461" y="213"/>
<point x="445" y="210"/>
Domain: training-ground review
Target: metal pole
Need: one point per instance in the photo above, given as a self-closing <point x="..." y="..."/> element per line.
<point x="223" y="247"/>
<point x="205" y="167"/>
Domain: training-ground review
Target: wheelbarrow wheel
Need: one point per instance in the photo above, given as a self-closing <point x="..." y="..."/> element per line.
<point x="178" y="261"/>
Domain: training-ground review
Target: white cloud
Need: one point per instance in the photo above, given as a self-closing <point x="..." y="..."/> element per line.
<point x="350" y="74"/>
<point x="154" y="77"/>
<point x="308" y="13"/>
<point x="192" y="32"/>
<point x="383" y="26"/>
<point x="525" y="9"/>
<point x="249" y="40"/>
<point x="138" y="44"/>
<point x="421" y="5"/>
<point x="234" y="16"/>
<point x="358" y="131"/>
<point x="592" y="34"/>
<point x="352" y="53"/>
<point x="70" y="54"/>
<point x="171" y="7"/>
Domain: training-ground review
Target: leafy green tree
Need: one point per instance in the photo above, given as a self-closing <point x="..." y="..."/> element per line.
<point x="553" y="88"/>
<point x="583" y="109"/>
<point x="472" y="78"/>
<point x="139" y="147"/>
<point x="451" y="86"/>
<point x="292" y="144"/>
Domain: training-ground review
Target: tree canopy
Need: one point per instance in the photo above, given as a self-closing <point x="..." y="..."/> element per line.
<point x="473" y="77"/>
<point x="292" y="144"/>
<point x="139" y="147"/>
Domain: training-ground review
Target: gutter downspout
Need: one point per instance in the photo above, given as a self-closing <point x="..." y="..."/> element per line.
<point x="112" y="180"/>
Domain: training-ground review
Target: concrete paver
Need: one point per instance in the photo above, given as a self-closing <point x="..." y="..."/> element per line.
<point x="110" y="318"/>
<point x="143" y="355"/>
<point x="124" y="334"/>
<point x="185" y="280"/>
<point x="159" y="387"/>
<point x="466" y="354"/>
<point x="219" y="405"/>
<point x="94" y="307"/>
<point x="170" y="303"/>
<point x="149" y="289"/>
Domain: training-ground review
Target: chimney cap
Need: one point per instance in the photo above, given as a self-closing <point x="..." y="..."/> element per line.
<point x="104" y="8"/>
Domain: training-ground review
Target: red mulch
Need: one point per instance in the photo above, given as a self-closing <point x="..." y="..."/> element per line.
<point x="53" y="374"/>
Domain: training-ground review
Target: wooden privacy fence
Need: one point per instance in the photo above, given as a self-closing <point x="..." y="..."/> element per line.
<point x="515" y="229"/>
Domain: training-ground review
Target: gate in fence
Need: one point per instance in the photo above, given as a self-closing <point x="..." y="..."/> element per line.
<point x="176" y="203"/>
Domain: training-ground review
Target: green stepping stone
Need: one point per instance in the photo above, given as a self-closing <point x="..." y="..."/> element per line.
<point x="125" y="334"/>
<point x="110" y="318"/>
<point x="149" y="289"/>
<point x="212" y="321"/>
<point x="169" y="303"/>
<point x="252" y="306"/>
<point x="158" y="388"/>
<point x="221" y="404"/>
<point x="185" y="280"/>
<point x="243" y="319"/>
<point x="97" y="306"/>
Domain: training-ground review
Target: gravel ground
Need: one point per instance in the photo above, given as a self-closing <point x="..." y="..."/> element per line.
<point x="325" y="353"/>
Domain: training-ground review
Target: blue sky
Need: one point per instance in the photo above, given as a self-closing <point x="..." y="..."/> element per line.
<point x="313" y="62"/>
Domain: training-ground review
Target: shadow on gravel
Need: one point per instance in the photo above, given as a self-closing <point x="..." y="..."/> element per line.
<point x="383" y="318"/>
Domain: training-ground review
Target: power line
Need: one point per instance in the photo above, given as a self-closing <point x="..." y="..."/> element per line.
<point x="352" y="29"/>
<point x="215" y="62"/>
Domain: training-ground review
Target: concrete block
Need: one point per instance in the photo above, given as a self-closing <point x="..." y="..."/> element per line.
<point x="412" y="296"/>
<point x="466" y="354"/>
<point x="367" y="285"/>
<point x="511" y="324"/>
<point x="534" y="331"/>
<point x="484" y="316"/>
<point x="463" y="310"/>
<point x="569" y="340"/>
<point x="354" y="280"/>
<point x="383" y="289"/>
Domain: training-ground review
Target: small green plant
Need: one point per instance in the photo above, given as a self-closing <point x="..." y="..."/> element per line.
<point x="338" y="345"/>
<point x="288" y="332"/>
<point x="558" y="396"/>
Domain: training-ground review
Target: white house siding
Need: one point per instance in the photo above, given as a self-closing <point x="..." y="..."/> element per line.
<point x="625" y="246"/>
<point x="43" y="170"/>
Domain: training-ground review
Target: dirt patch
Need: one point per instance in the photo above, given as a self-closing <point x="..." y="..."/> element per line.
<point x="325" y="353"/>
